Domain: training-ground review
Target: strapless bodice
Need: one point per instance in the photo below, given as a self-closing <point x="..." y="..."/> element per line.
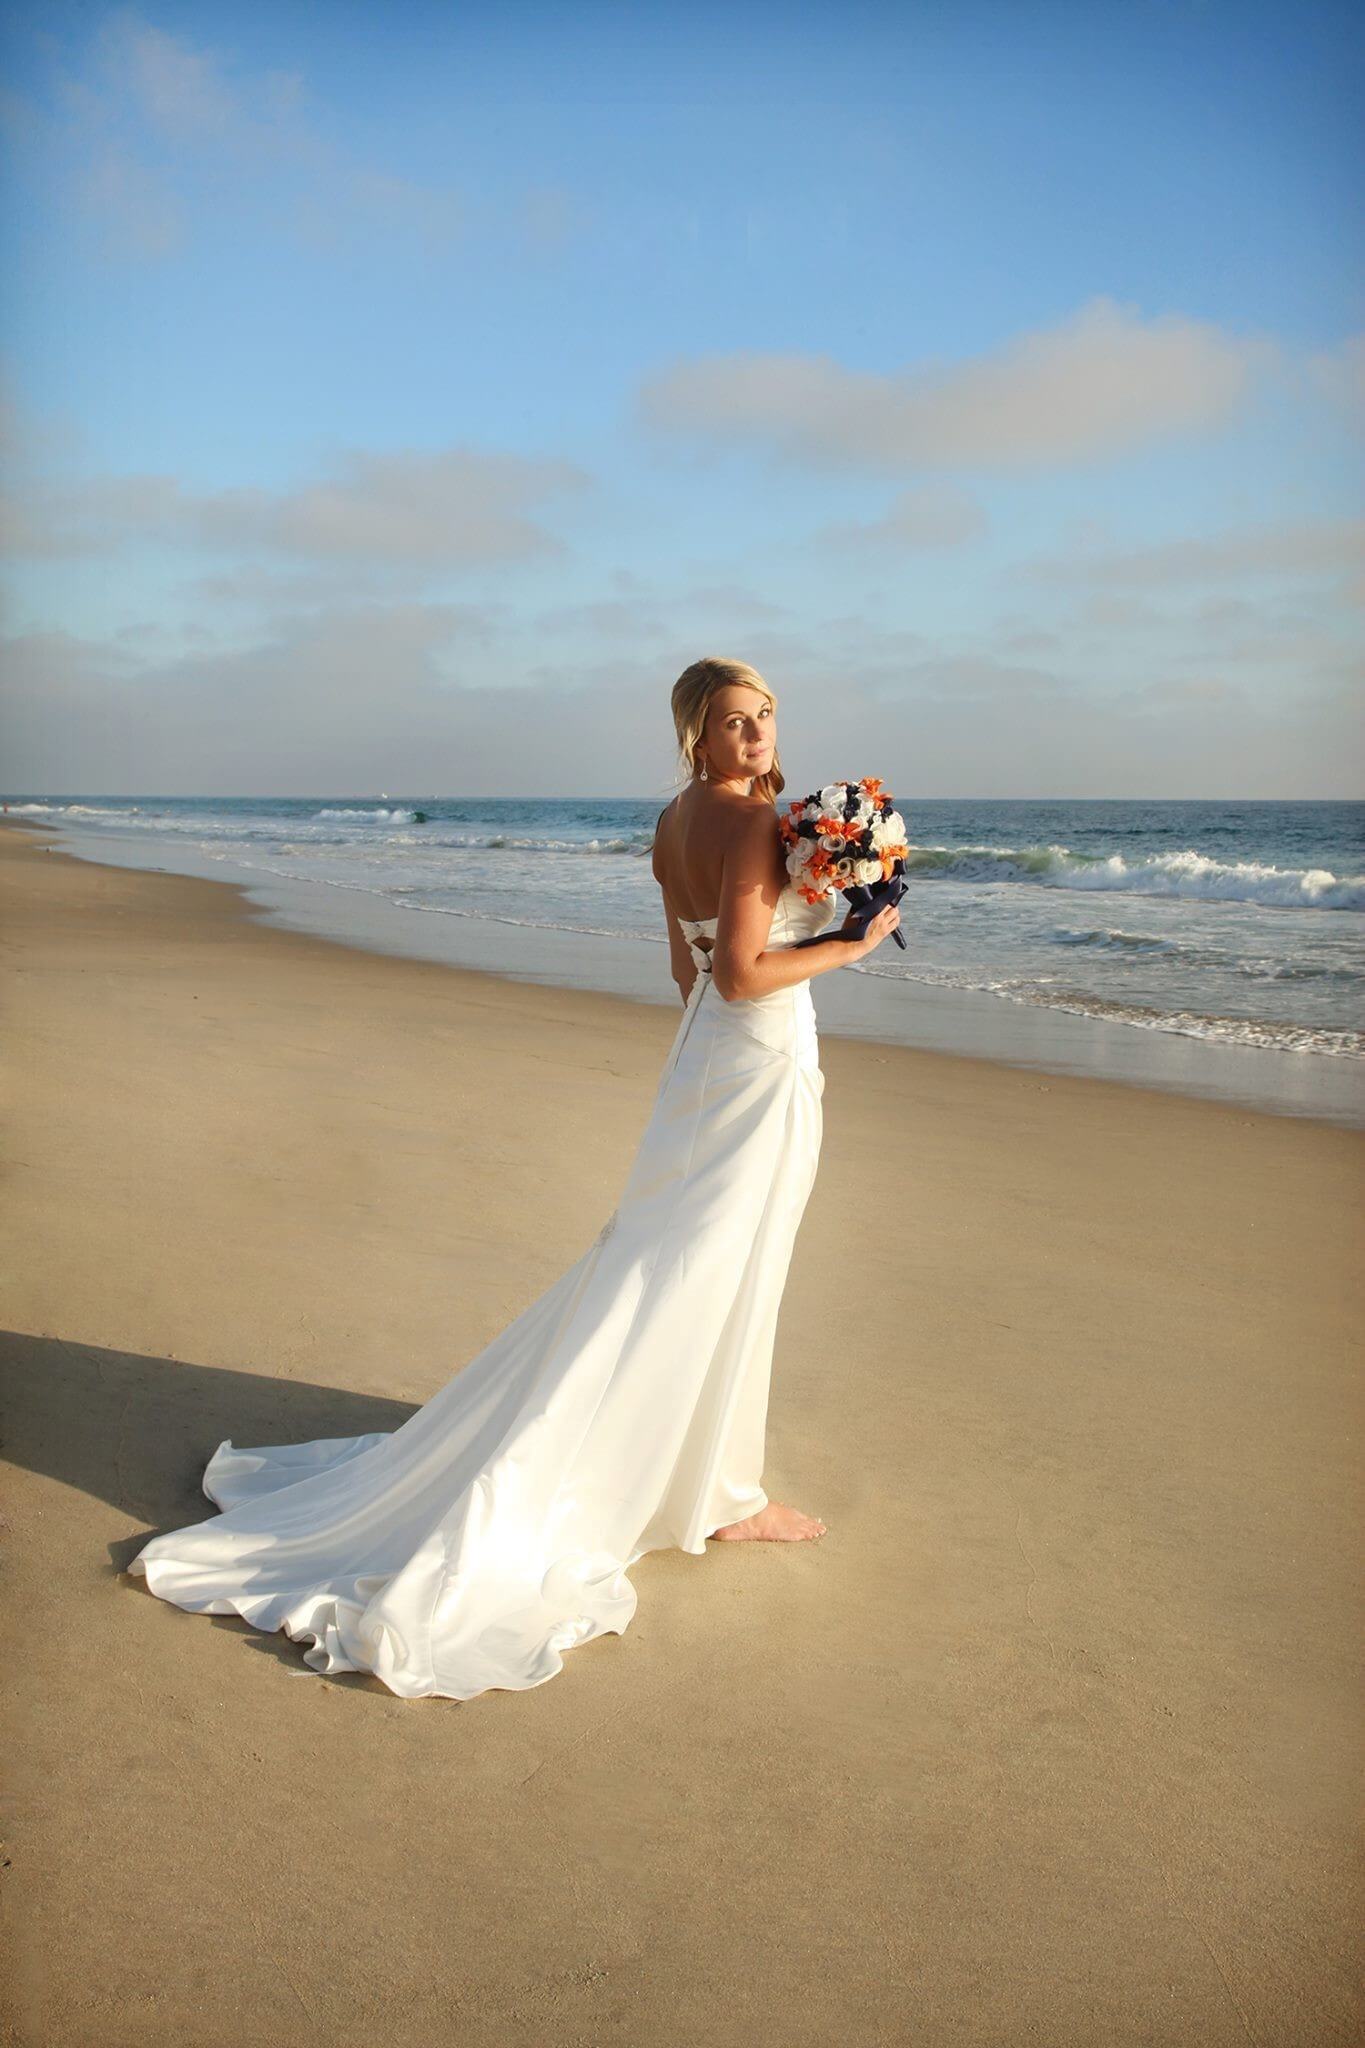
<point x="793" y="919"/>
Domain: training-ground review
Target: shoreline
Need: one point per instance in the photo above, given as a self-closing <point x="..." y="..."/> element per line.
<point x="954" y="1024"/>
<point x="1062" y="1713"/>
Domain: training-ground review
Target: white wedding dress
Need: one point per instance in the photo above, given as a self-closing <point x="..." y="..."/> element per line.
<point x="622" y="1412"/>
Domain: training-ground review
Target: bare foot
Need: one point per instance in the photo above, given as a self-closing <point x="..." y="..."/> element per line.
<point x="773" y="1524"/>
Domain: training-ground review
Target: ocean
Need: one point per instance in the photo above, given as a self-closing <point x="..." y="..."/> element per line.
<point x="1240" y="925"/>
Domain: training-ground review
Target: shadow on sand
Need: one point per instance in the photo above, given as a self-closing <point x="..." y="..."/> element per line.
<point x="138" y="1431"/>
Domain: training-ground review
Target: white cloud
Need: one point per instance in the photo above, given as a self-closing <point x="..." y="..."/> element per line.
<point x="1102" y="384"/>
<point x="375" y="512"/>
<point x="141" y="214"/>
<point x="970" y="679"/>
<point x="156" y="126"/>
<point x="924" y="516"/>
<point x="385" y="696"/>
<point x="410" y="697"/>
<point x="550" y="216"/>
<point x="1318" y="547"/>
<point x="1338" y="374"/>
<point x="650" y="616"/>
<point x="729" y="601"/>
<point x="1179" y="693"/>
<point x="183" y="93"/>
<point x="605" y="620"/>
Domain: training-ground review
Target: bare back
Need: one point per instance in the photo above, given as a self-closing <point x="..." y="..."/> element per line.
<point x="691" y="841"/>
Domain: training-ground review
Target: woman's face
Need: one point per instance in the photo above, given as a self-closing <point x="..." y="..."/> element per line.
<point x="739" y="738"/>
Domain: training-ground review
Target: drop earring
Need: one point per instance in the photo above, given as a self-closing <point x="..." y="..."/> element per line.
<point x="703" y="771"/>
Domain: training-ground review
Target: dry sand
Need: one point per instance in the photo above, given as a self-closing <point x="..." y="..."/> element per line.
<point x="1055" y="1738"/>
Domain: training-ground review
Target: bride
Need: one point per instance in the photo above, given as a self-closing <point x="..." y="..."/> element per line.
<point x="625" y="1410"/>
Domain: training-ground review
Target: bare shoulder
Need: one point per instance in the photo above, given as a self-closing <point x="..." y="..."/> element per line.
<point x="751" y="823"/>
<point x="753" y="841"/>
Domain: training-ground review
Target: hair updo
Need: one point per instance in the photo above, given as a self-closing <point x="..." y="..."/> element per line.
<point x="692" y="695"/>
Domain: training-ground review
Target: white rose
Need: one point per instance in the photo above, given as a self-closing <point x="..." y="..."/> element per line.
<point x="833" y="797"/>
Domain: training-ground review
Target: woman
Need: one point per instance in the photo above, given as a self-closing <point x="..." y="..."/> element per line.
<point x="624" y="1411"/>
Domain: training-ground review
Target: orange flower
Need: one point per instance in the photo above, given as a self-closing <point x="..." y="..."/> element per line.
<point x="871" y="785"/>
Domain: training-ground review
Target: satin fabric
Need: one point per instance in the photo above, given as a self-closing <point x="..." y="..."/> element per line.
<point x="622" y="1412"/>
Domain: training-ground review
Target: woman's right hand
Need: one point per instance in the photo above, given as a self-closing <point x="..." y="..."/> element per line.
<point x="879" y="928"/>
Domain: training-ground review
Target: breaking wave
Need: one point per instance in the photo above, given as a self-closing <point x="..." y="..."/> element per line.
<point x="1187" y="874"/>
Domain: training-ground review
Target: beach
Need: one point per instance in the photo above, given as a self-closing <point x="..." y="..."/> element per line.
<point x="1056" y="1735"/>
<point x="1214" y="949"/>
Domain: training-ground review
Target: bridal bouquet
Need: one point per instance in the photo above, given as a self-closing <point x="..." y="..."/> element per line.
<point x="848" y="837"/>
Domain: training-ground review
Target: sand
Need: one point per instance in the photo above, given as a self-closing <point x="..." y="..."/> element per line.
<point x="1055" y="1737"/>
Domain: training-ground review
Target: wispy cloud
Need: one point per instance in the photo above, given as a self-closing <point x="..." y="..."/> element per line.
<point x="925" y="516"/>
<point x="152" y="132"/>
<point x="1338" y="375"/>
<point x="965" y="680"/>
<point x="407" y="510"/>
<point x="1291" y="548"/>
<point x="393" y="695"/>
<point x="137" y="210"/>
<point x="1101" y="384"/>
<point x="355" y="695"/>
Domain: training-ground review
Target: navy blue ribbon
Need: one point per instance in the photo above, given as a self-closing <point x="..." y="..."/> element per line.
<point x="864" y="902"/>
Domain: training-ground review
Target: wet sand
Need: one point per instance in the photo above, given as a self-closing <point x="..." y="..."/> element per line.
<point x="1055" y="1737"/>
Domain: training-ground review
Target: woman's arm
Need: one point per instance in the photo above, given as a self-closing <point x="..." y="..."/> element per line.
<point x="753" y="875"/>
<point x="681" y="965"/>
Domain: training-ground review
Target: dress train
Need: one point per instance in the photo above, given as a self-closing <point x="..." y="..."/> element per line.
<point x="622" y="1412"/>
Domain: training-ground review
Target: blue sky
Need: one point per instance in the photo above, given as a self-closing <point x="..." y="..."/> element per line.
<point x="404" y="396"/>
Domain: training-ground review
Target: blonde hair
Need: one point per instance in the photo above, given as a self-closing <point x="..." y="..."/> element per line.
<point x="692" y="695"/>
